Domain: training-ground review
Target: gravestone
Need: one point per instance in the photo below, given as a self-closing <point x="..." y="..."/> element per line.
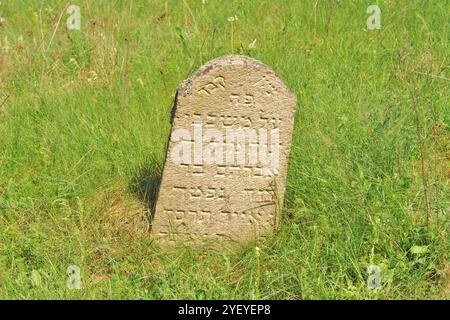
<point x="225" y="170"/>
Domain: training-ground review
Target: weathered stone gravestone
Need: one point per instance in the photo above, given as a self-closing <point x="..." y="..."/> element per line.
<point x="225" y="170"/>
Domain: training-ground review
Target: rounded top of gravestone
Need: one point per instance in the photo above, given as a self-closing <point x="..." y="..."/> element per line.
<point x="227" y="62"/>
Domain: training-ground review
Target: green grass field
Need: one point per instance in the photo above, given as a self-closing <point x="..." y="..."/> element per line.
<point x="85" y="117"/>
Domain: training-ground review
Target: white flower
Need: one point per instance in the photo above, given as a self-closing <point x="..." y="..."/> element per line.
<point x="92" y="76"/>
<point x="232" y="19"/>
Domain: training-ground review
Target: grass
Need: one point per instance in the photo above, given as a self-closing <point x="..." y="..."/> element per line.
<point x="85" y="117"/>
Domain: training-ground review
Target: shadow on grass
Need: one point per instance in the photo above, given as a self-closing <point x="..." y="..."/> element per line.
<point x="145" y="184"/>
